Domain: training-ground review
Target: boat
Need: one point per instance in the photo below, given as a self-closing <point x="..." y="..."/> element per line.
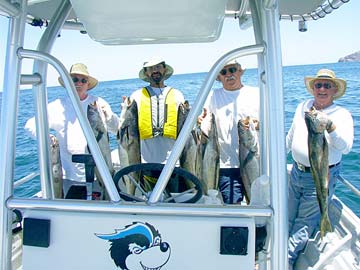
<point x="42" y="232"/>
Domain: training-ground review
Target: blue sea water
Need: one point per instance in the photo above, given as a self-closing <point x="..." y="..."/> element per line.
<point x="190" y="84"/>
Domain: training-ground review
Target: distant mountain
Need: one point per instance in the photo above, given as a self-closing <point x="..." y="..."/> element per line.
<point x="354" y="57"/>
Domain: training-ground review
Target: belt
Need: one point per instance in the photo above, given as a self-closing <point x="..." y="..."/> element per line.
<point x="304" y="168"/>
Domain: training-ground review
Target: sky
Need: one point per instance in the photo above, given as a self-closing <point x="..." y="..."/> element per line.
<point x="326" y="40"/>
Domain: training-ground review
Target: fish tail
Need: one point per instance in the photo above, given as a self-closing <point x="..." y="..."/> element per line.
<point x="247" y="198"/>
<point x="325" y="225"/>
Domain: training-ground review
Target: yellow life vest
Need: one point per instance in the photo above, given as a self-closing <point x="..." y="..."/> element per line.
<point x="158" y="117"/>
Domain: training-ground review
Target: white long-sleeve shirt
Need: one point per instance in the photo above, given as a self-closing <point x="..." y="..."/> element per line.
<point x="340" y="140"/>
<point x="229" y="107"/>
<point x="63" y="120"/>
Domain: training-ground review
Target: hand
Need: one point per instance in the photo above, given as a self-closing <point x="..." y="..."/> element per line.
<point x="53" y="139"/>
<point x="330" y="126"/>
<point x="251" y="122"/>
<point x="201" y="117"/>
<point x="256" y="123"/>
<point x="123" y="107"/>
<point x="104" y="110"/>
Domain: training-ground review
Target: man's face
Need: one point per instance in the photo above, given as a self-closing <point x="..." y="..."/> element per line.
<point x="230" y="76"/>
<point x="324" y="91"/>
<point x="81" y="83"/>
<point x="156" y="73"/>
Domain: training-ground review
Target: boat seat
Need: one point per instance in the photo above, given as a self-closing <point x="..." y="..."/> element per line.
<point x="82" y="190"/>
<point x="90" y="164"/>
<point x="77" y="192"/>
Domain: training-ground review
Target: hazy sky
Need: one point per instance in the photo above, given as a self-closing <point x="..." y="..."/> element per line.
<point x="325" y="41"/>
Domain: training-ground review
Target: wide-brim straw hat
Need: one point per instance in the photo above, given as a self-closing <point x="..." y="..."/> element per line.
<point x="153" y="62"/>
<point x="326" y="74"/>
<point x="81" y="69"/>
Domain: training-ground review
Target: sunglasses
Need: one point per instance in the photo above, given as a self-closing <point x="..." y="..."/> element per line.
<point x="76" y="79"/>
<point x="326" y="85"/>
<point x="230" y="69"/>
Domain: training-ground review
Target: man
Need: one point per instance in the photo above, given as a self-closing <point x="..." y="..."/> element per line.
<point x="157" y="110"/>
<point x="63" y="120"/>
<point x="304" y="212"/>
<point x="231" y="103"/>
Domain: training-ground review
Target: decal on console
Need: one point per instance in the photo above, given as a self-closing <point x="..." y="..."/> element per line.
<point x="137" y="246"/>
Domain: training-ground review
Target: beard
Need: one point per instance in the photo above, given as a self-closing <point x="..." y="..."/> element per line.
<point x="157" y="77"/>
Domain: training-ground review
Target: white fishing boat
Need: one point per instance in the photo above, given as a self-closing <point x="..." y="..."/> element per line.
<point x="204" y="234"/>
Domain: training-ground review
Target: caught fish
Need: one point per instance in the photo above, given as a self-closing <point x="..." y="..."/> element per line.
<point x="319" y="164"/>
<point x="129" y="142"/>
<point x="190" y="158"/>
<point x="183" y="111"/>
<point x="249" y="156"/>
<point x="210" y="153"/>
<point x="102" y="138"/>
<point x="56" y="168"/>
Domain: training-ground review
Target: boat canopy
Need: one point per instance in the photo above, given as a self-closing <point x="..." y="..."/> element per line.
<point x="111" y="23"/>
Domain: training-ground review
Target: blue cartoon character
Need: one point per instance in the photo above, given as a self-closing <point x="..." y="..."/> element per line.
<point x="137" y="247"/>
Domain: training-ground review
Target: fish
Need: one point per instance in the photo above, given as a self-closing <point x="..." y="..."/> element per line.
<point x="183" y="112"/>
<point x="249" y="156"/>
<point x="319" y="164"/>
<point x="210" y="153"/>
<point x="56" y="167"/>
<point x="102" y="138"/>
<point x="190" y="158"/>
<point x="128" y="138"/>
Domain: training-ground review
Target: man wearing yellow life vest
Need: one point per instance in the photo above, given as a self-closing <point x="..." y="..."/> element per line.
<point x="157" y="111"/>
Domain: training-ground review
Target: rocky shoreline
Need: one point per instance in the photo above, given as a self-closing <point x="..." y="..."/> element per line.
<point x="354" y="57"/>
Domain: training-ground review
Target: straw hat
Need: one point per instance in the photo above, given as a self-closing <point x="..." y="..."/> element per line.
<point x="326" y="74"/>
<point x="81" y="69"/>
<point x="153" y="62"/>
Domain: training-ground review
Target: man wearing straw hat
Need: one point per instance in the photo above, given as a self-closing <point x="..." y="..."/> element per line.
<point x="62" y="118"/>
<point x="304" y="212"/>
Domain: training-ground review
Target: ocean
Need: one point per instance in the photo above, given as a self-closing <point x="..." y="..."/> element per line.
<point x="190" y="84"/>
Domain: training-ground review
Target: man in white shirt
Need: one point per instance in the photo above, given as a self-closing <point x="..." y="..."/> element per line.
<point x="304" y="212"/>
<point x="230" y="104"/>
<point x="63" y="120"/>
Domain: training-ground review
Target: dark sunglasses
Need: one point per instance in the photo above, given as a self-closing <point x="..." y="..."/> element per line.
<point x="76" y="79"/>
<point x="230" y="69"/>
<point x="326" y="85"/>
